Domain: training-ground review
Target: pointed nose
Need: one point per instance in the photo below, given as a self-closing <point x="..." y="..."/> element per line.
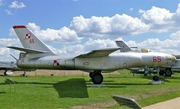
<point x="173" y="58"/>
<point x="170" y="58"/>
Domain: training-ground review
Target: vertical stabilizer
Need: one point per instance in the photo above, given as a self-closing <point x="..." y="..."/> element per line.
<point x="29" y="40"/>
<point x="123" y="46"/>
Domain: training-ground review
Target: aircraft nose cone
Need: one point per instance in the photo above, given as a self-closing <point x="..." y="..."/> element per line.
<point x="173" y="58"/>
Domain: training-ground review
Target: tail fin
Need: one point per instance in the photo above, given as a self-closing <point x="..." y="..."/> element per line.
<point x="123" y="46"/>
<point x="29" y="40"/>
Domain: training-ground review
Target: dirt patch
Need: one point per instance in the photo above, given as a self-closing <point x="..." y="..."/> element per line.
<point x="96" y="105"/>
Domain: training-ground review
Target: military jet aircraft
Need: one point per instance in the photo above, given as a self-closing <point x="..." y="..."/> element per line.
<point x="37" y="55"/>
<point x="8" y="66"/>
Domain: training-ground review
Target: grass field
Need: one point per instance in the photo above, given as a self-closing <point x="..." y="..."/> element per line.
<point x="75" y="91"/>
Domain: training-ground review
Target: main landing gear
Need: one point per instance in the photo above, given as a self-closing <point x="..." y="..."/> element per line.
<point x="5" y="73"/>
<point x="167" y="72"/>
<point x="96" y="77"/>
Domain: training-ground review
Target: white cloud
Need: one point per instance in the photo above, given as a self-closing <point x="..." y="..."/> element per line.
<point x="13" y="7"/>
<point x="57" y="36"/>
<point x="12" y="32"/>
<point x="175" y="36"/>
<point x="157" y="16"/>
<point x="9" y="41"/>
<point x="75" y="50"/>
<point x="103" y="27"/>
<point x="141" y="11"/>
<point x="170" y="46"/>
<point x="8" y="12"/>
<point x="98" y="44"/>
<point x="5" y="52"/>
<point x="17" y="5"/>
<point x="161" y="19"/>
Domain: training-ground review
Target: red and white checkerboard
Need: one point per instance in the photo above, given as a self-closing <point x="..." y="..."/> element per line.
<point x="28" y="36"/>
<point x="56" y="63"/>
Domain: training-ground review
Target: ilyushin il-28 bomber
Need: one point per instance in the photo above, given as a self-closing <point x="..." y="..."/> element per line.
<point x="35" y="54"/>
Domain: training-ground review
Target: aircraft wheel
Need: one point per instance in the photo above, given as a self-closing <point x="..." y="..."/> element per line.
<point x="168" y="72"/>
<point x="156" y="78"/>
<point x="91" y="74"/>
<point x="97" y="78"/>
<point x="5" y="74"/>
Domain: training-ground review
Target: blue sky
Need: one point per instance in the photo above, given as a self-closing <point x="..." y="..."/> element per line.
<point x="78" y="26"/>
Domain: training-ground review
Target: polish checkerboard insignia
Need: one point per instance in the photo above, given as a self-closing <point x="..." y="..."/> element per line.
<point x="56" y="63"/>
<point x="28" y="36"/>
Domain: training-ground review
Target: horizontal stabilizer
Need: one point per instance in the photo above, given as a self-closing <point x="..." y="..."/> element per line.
<point x="98" y="53"/>
<point x="124" y="47"/>
<point x="28" y="50"/>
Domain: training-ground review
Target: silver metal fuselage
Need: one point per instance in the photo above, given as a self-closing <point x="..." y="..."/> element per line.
<point x="105" y="64"/>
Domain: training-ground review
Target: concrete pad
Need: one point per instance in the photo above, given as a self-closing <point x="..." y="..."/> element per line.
<point x="169" y="104"/>
<point x="156" y="82"/>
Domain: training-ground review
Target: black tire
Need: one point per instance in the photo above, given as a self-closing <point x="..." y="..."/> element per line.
<point x="91" y="74"/>
<point x="156" y="78"/>
<point x="5" y="73"/>
<point x="168" y="72"/>
<point x="97" y="78"/>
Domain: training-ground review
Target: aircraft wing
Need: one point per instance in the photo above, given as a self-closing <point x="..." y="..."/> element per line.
<point x="98" y="53"/>
<point x="28" y="50"/>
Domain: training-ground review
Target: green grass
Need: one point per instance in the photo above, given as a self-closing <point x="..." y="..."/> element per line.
<point x="54" y="92"/>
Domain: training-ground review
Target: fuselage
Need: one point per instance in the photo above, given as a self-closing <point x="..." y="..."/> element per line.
<point x="108" y="63"/>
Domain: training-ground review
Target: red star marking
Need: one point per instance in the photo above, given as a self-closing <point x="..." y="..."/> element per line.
<point x="28" y="36"/>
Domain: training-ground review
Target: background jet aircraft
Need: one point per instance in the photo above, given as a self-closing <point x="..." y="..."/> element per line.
<point x="8" y="66"/>
<point x="13" y="67"/>
<point x="38" y="56"/>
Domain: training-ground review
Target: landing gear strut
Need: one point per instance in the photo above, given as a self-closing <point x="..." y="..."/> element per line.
<point x="96" y="77"/>
<point x="24" y="73"/>
<point x="156" y="77"/>
<point x="5" y="74"/>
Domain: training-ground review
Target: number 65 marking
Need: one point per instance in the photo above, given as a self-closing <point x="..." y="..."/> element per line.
<point x="31" y="41"/>
<point x="156" y="58"/>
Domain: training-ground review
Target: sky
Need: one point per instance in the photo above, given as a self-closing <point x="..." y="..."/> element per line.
<point x="73" y="27"/>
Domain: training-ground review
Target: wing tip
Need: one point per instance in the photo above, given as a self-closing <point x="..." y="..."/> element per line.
<point x="19" y="26"/>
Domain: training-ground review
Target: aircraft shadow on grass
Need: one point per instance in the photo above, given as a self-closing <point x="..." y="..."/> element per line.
<point x="72" y="88"/>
